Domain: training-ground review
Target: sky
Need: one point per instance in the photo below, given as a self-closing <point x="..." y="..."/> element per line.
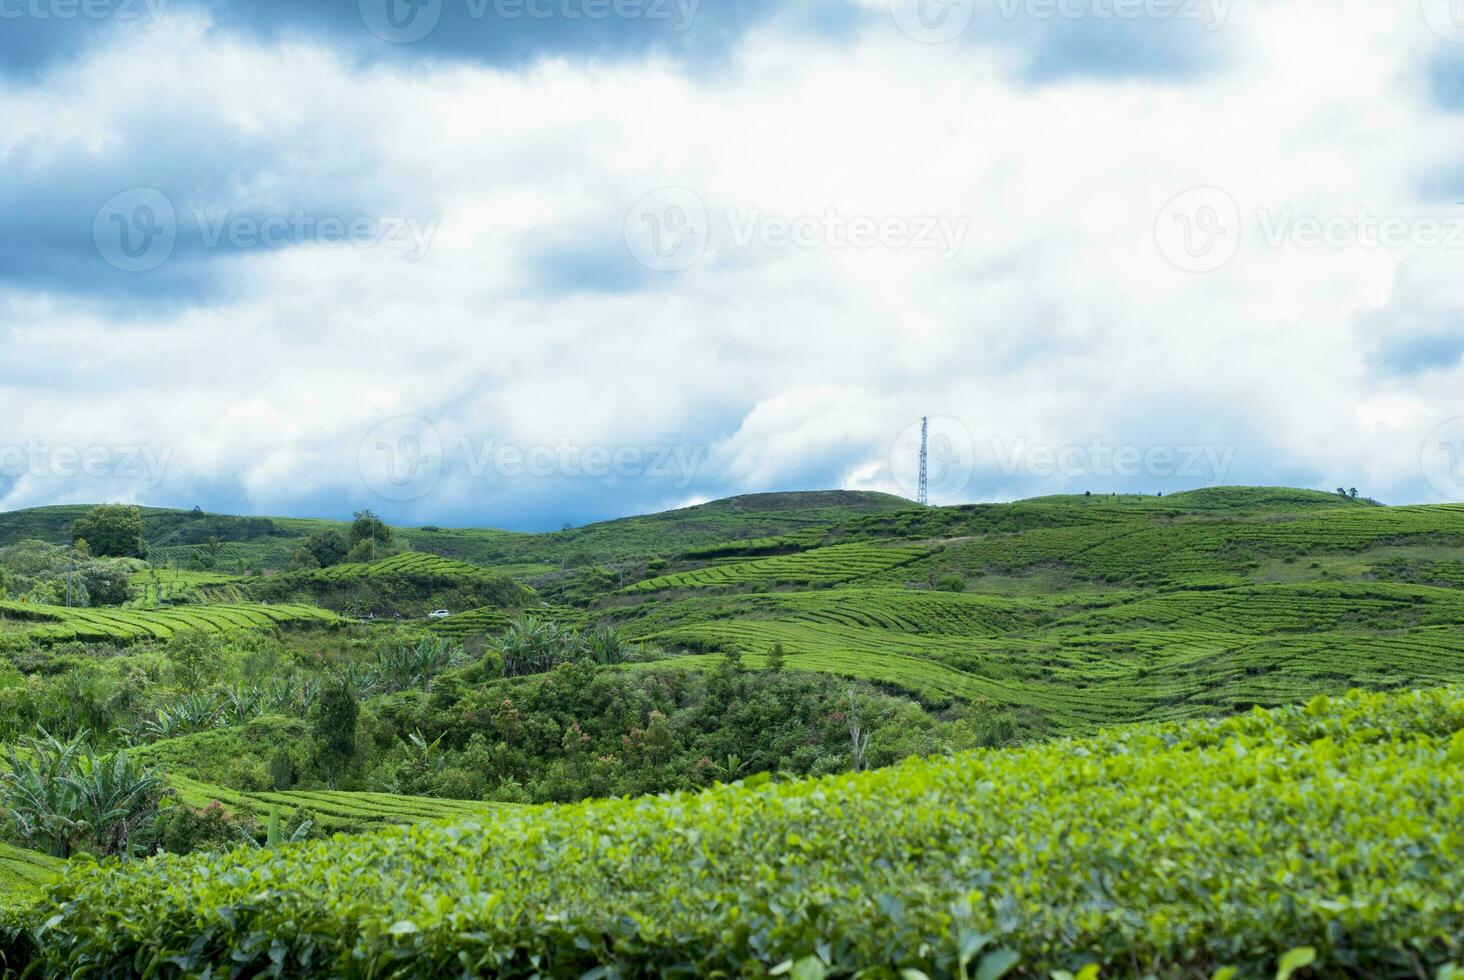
<point x="535" y="263"/>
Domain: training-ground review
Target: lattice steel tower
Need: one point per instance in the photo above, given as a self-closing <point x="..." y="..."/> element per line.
<point x="923" y="496"/>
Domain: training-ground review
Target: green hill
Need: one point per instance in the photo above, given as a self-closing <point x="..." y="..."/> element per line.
<point x="1088" y="611"/>
<point x="268" y="542"/>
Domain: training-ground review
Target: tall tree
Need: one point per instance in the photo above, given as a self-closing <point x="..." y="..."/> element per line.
<point x="112" y="531"/>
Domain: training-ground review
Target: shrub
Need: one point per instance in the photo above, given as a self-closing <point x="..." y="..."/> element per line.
<point x="186" y="829"/>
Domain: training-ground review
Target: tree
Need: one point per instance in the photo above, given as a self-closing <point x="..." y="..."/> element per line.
<point x="335" y="730"/>
<point x="112" y="530"/>
<point x="328" y="547"/>
<point x="196" y="657"/>
<point x="1352" y="493"/>
<point x="368" y="527"/>
<point x="777" y="659"/>
<point x="108" y="583"/>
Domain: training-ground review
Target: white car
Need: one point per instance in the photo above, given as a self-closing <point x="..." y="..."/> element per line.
<point x="439" y="614"/>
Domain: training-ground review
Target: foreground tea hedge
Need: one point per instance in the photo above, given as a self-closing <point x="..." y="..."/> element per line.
<point x="1171" y="850"/>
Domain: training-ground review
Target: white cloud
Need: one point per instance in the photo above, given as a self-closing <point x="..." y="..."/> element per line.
<point x="1057" y="319"/>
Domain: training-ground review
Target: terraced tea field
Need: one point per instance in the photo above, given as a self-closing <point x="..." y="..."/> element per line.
<point x="22" y="873"/>
<point x="336" y="811"/>
<point x="476" y="622"/>
<point x="821" y="566"/>
<point x="412" y="564"/>
<point x="55" y="624"/>
<point x="159" y="585"/>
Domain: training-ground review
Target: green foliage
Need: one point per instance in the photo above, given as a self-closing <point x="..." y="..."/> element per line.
<point x="368" y="527"/>
<point x="35" y="572"/>
<point x="107" y="583"/>
<point x="112" y="531"/>
<point x="581" y="731"/>
<point x="186" y="829"/>
<point x="1183" y="848"/>
<point x="242" y="756"/>
<point x="777" y="659"/>
<point x="334" y="727"/>
<point x="62" y="797"/>
<point x="951" y="583"/>
<point x="196" y="657"/>
<point x="400" y="665"/>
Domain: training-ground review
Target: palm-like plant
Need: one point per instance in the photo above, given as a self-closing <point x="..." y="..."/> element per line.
<point x="117" y="800"/>
<point x="403" y="666"/>
<point x="59" y="795"/>
<point x="193" y="713"/>
<point x="606" y="646"/>
<point x="38" y="796"/>
<point x="275" y="832"/>
<point x="241" y="703"/>
<point x="424" y="755"/>
<point x="533" y="646"/>
<point x="291" y="694"/>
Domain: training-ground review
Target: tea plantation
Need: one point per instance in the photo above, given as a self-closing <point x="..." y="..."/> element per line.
<point x="1120" y="736"/>
<point x="1326" y="834"/>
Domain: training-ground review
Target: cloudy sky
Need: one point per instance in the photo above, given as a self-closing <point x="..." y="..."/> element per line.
<point x="524" y="263"/>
